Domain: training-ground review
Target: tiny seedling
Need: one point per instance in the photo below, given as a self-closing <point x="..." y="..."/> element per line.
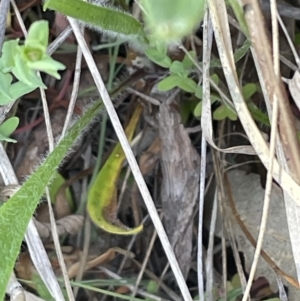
<point x="23" y="62"/>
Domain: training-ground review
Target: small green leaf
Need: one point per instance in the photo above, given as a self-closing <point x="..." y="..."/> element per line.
<point x="215" y="78"/>
<point x="32" y="54"/>
<point x="7" y="128"/>
<point x="177" y="67"/>
<point x="19" y="89"/>
<point x="187" y="108"/>
<point x="199" y="92"/>
<point x="188" y="85"/>
<point x="161" y="47"/>
<point x="233" y="294"/>
<point x="47" y="65"/>
<point x="159" y="58"/>
<point x="4" y="100"/>
<point x="57" y="181"/>
<point x="239" y="13"/>
<point x="222" y="112"/>
<point x="38" y="34"/>
<point x="152" y="287"/>
<point x="169" y="82"/>
<point x="101" y="18"/>
<point x="187" y="62"/>
<point x="7" y="139"/>
<point x="258" y="115"/>
<point x="23" y="73"/>
<point x="198" y="109"/>
<point x="214" y="97"/>
<point x="5" y="81"/>
<point x="248" y="90"/>
<point x="9" y="51"/>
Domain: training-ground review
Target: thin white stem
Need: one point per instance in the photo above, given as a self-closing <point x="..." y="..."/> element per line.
<point x="209" y="258"/>
<point x="145" y="262"/>
<point x="59" y="40"/>
<point x="288" y="38"/>
<point x="74" y="93"/>
<point x="131" y="160"/>
<point x="206" y="94"/>
<point x="275" y="38"/>
<point x="264" y="218"/>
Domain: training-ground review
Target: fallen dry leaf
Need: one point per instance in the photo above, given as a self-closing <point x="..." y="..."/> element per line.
<point x="248" y="196"/>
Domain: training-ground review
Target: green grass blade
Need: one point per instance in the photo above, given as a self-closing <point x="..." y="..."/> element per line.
<point x="16" y="213"/>
<point x="101" y="18"/>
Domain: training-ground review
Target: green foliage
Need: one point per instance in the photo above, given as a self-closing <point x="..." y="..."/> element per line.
<point x="248" y="90"/>
<point x="101" y="18"/>
<point x="41" y="288"/>
<point x="152" y="288"/>
<point x="15" y="214"/>
<point x="171" y="20"/>
<point x="23" y="61"/>
<point x="57" y="181"/>
<point x="7" y="128"/>
<point x="239" y="13"/>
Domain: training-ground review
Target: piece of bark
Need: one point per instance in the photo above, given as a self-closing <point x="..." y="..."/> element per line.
<point x="180" y="165"/>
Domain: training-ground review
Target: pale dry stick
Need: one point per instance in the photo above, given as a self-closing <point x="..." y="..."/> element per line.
<point x="37" y="251"/>
<point x="221" y="197"/>
<point x="14" y="289"/>
<point x="59" y="40"/>
<point x="241" y="164"/>
<point x="131" y="287"/>
<point x="207" y="44"/>
<point x="134" y="141"/>
<point x="164" y="272"/>
<point x="123" y="188"/>
<point x="144" y="96"/>
<point x="145" y="262"/>
<point x="288" y="38"/>
<point x="75" y="88"/>
<point x="288" y="63"/>
<point x="236" y="255"/>
<point x="4" y="10"/>
<point x="194" y="129"/>
<point x="268" y="189"/>
<point x="131" y="160"/>
<point x="226" y="221"/>
<point x="58" y="250"/>
<point x="275" y="38"/>
<point x="209" y="258"/>
<point x="267" y="199"/>
<point x="168" y="290"/>
<point x="282" y="292"/>
<point x="129" y="247"/>
<point x="87" y="224"/>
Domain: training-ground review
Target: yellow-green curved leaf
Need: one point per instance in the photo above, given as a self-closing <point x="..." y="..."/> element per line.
<point x="101" y="204"/>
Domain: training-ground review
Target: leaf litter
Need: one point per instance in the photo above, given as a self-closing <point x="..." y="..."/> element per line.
<point x="162" y="172"/>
